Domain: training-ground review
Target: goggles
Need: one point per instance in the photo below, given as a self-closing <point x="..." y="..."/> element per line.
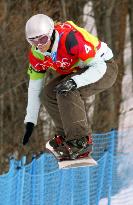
<point x="39" y="40"/>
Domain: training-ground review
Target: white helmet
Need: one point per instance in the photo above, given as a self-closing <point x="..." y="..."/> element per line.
<point x="38" y="25"/>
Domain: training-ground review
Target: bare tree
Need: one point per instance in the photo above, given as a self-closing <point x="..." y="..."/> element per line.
<point x="130" y="7"/>
<point x="111" y="27"/>
<point x="73" y="10"/>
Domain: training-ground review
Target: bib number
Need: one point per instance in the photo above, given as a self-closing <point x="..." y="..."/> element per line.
<point x="87" y="48"/>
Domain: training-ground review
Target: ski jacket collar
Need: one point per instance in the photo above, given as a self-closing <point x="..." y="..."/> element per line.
<point x="56" y="42"/>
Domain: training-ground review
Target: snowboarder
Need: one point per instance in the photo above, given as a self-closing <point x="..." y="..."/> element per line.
<point x="85" y="67"/>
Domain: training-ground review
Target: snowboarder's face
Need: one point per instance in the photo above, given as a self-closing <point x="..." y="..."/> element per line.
<point x="44" y="48"/>
<point x="42" y="42"/>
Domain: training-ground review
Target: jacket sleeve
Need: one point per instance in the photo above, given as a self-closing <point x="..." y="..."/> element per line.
<point x="96" y="67"/>
<point x="34" y="102"/>
<point x="95" y="71"/>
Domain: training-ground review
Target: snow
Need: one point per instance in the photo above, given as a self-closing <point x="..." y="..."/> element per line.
<point x="124" y="197"/>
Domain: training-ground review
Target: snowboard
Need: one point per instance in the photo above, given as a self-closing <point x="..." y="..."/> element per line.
<point x="83" y="162"/>
<point x="66" y="164"/>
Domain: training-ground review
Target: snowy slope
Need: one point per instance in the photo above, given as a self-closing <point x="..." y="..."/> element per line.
<point x="124" y="197"/>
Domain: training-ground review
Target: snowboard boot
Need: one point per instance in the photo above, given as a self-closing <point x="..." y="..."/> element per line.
<point x="71" y="149"/>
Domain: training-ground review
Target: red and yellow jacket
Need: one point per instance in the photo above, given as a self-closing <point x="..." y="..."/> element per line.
<point x="75" y="45"/>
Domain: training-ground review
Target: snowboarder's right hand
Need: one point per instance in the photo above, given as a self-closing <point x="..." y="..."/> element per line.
<point x="28" y="132"/>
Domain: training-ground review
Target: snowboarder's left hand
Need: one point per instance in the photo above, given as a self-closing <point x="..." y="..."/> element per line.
<point x="28" y="132"/>
<point x="64" y="87"/>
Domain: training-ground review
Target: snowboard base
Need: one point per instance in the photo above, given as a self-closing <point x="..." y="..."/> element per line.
<point x="83" y="162"/>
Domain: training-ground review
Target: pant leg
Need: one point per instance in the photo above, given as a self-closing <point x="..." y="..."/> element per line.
<point x="72" y="106"/>
<point x="73" y="115"/>
<point x="104" y="83"/>
<point x="51" y="105"/>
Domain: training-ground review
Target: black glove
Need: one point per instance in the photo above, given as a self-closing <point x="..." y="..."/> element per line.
<point x="64" y="87"/>
<point x="28" y="132"/>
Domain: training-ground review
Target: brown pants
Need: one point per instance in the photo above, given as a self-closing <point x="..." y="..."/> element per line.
<point x="69" y="112"/>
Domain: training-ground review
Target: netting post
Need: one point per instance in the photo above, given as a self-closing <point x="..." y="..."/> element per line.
<point x="11" y="175"/>
<point x="89" y="186"/>
<point x="101" y="178"/>
<point x="22" y="180"/>
<point x="33" y="180"/>
<point x="111" y="158"/>
<point x="42" y="181"/>
<point x="72" y="185"/>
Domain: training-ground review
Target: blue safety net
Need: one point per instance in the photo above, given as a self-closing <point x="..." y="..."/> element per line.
<point x="42" y="183"/>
